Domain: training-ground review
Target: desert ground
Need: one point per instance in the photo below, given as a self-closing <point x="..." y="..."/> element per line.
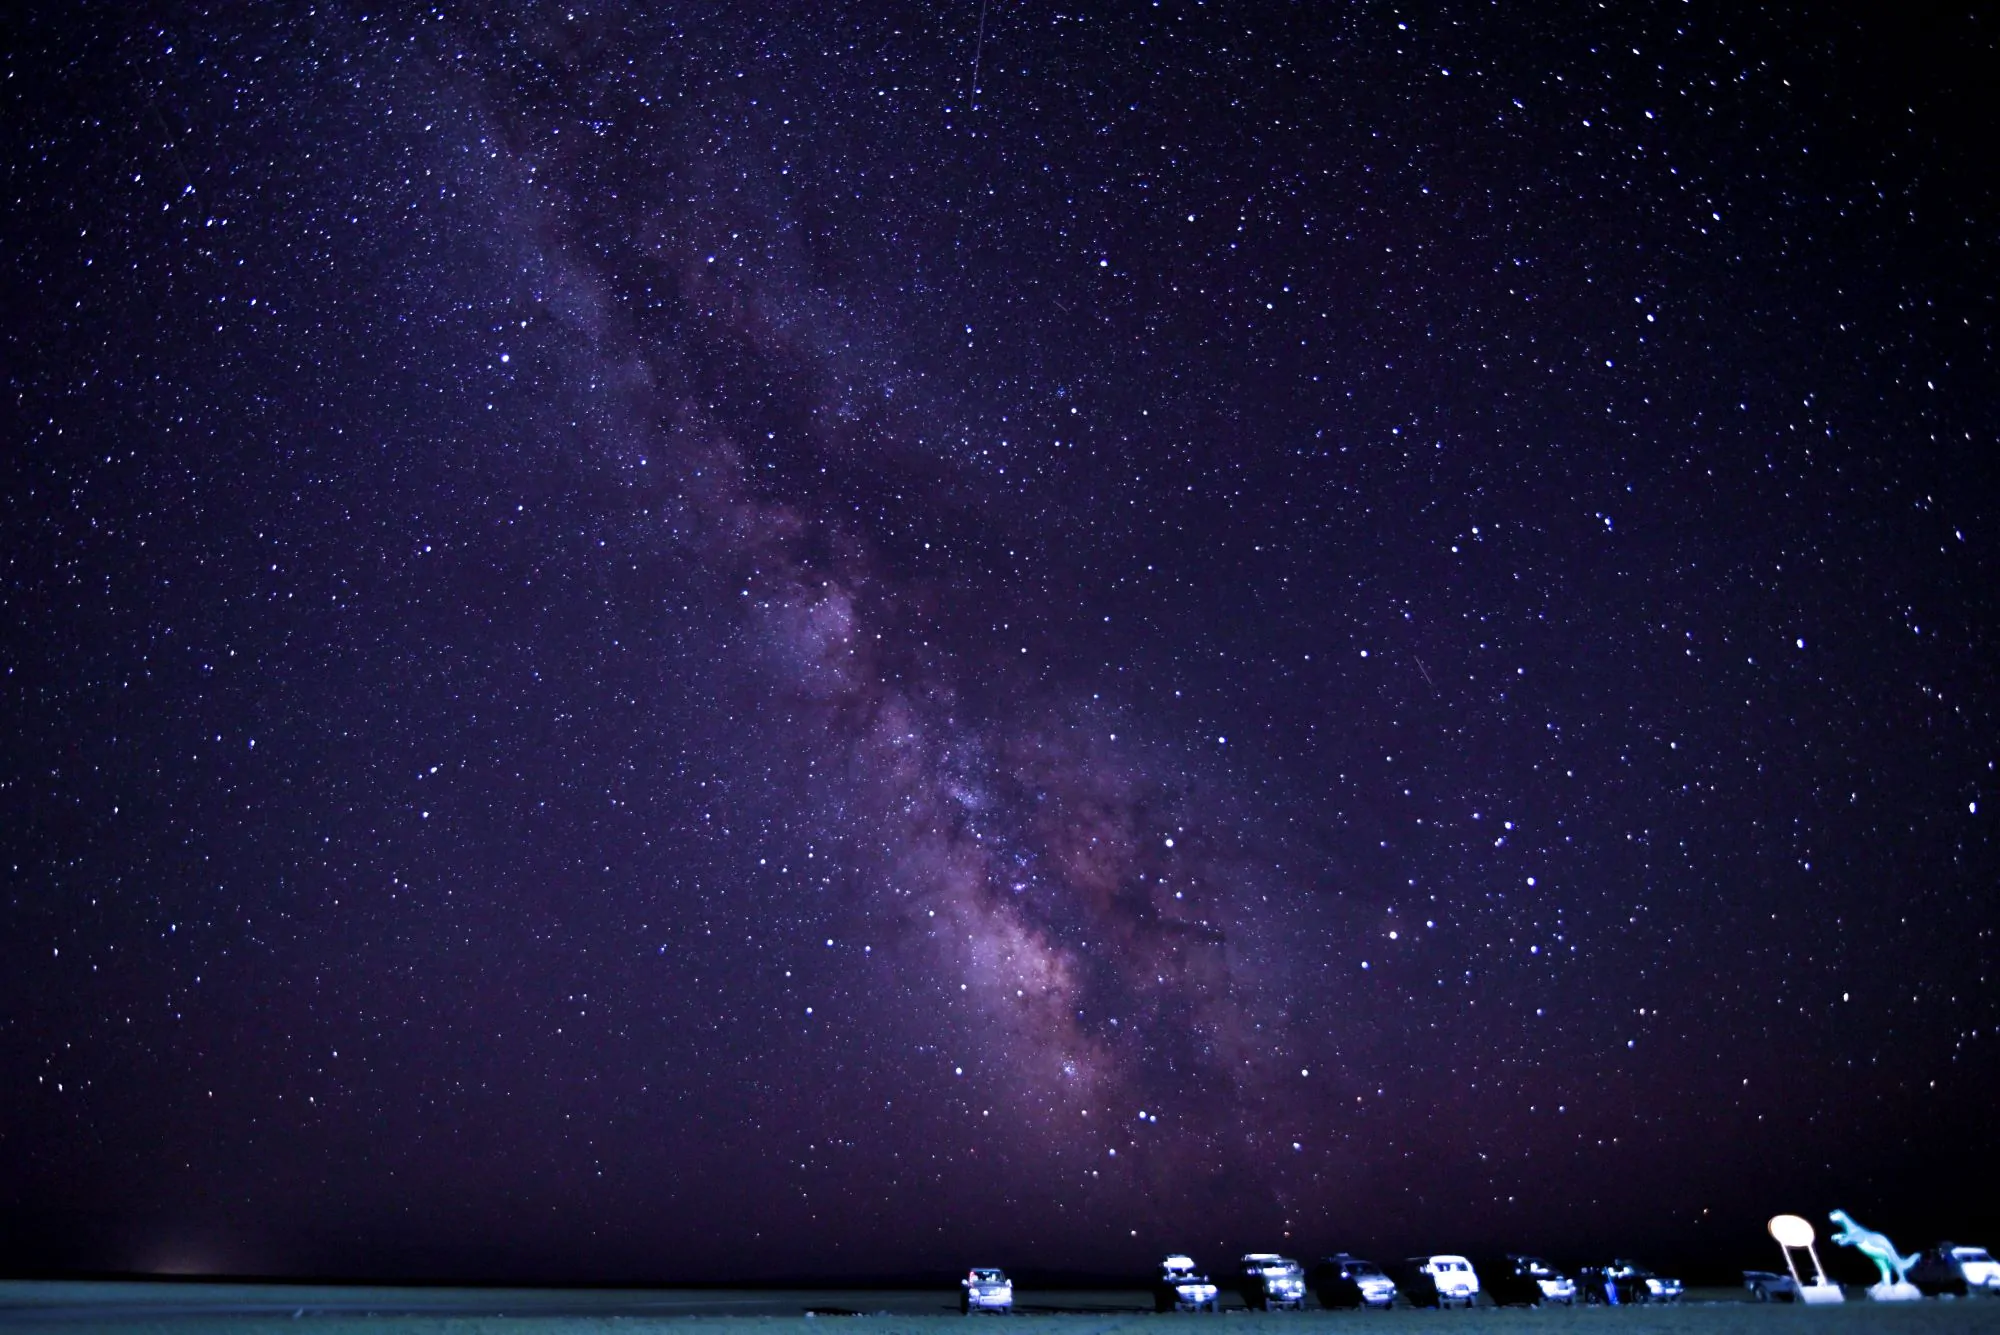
<point x="176" y="1308"/>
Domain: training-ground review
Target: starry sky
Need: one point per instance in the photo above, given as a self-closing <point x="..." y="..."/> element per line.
<point x="733" y="640"/>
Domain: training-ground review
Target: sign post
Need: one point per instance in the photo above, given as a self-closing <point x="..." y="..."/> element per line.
<point x="1793" y="1233"/>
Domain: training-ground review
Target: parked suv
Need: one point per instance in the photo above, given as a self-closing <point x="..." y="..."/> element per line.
<point x="1349" y="1281"/>
<point x="1273" y="1283"/>
<point x="985" y="1289"/>
<point x="1628" y="1282"/>
<point x="1529" y="1281"/>
<point x="1947" y="1268"/>
<point x="1182" y="1288"/>
<point x="1439" y="1281"/>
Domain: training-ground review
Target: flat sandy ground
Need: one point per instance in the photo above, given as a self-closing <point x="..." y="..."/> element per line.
<point x="76" y="1308"/>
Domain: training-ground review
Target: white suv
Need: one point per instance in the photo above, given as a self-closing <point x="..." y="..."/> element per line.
<point x="1451" y="1278"/>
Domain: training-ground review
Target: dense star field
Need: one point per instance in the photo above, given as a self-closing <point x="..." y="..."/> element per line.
<point x="735" y="640"/>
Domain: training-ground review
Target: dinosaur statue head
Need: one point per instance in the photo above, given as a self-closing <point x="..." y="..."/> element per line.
<point x="1841" y="1217"/>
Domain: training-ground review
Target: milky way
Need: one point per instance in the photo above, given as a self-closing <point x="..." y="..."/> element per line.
<point x="653" y="644"/>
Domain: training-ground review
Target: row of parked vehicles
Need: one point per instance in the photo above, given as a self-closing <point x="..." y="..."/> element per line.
<point x="1268" y="1282"/>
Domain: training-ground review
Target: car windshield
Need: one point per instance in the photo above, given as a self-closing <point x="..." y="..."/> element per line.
<point x="988" y="1277"/>
<point x="1364" y="1268"/>
<point x="1971" y="1254"/>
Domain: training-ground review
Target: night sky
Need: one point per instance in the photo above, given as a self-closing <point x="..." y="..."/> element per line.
<point x="737" y="640"/>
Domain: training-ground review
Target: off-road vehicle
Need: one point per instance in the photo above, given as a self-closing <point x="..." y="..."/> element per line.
<point x="1443" y="1280"/>
<point x="1182" y="1288"/>
<point x="1959" y="1271"/>
<point x="1528" y="1281"/>
<point x="985" y="1289"/>
<point x="1272" y="1283"/>
<point x="1342" y="1280"/>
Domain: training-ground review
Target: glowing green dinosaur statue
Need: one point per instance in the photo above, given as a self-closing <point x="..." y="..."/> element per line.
<point x="1873" y="1246"/>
